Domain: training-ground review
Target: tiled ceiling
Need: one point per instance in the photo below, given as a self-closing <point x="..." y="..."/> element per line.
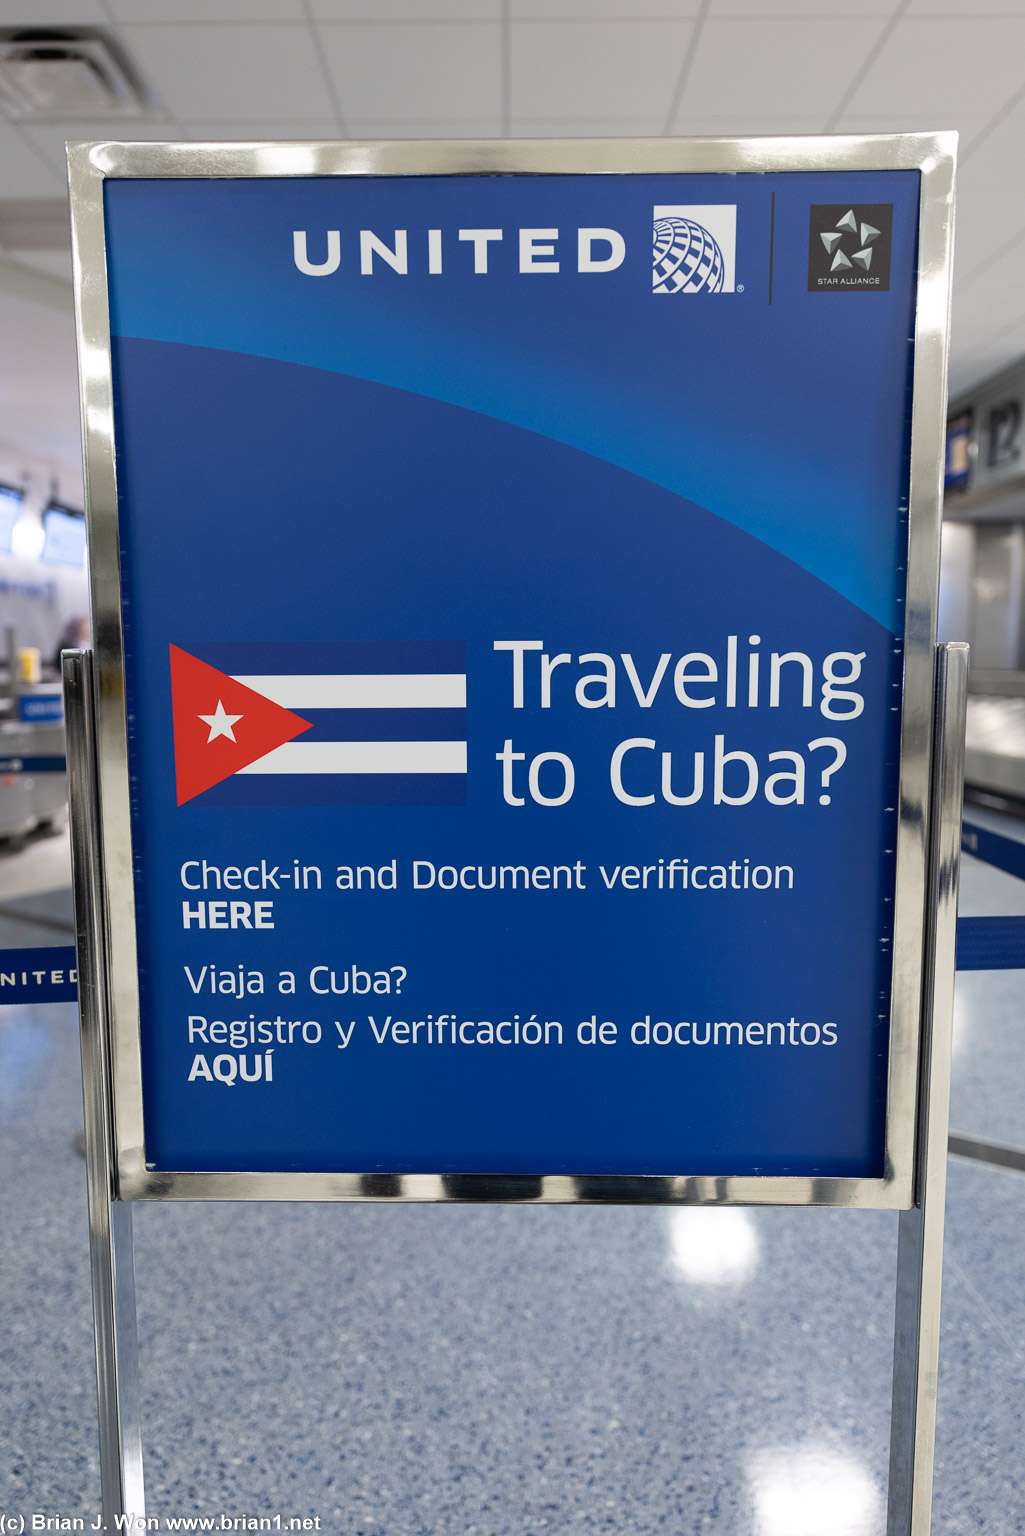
<point x="481" y="68"/>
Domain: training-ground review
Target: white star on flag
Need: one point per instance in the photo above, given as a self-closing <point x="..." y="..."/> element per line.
<point x="220" y="723"/>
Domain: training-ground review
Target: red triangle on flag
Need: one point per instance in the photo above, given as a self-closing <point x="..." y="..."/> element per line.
<point x="220" y="725"/>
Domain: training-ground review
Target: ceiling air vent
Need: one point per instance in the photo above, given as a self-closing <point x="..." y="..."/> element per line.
<point x="50" y="76"/>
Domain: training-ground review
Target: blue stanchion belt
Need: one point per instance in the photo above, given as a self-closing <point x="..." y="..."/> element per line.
<point x="992" y="943"/>
<point x="48" y="975"/>
<point x="33" y="765"/>
<point x="1004" y="853"/>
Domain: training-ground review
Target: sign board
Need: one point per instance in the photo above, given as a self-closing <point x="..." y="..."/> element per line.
<point x="958" y="463"/>
<point x="514" y="601"/>
<point x="986" y="440"/>
<point x="40" y="707"/>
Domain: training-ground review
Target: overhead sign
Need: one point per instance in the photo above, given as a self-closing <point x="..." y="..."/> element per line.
<point x="986" y="438"/>
<point x="40" y="706"/>
<point x="513" y="578"/>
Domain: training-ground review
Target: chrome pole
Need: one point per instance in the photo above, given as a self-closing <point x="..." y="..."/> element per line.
<point x="916" y="1342"/>
<point x="110" y="1220"/>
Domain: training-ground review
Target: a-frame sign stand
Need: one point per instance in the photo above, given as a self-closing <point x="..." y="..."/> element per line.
<point x="920" y="1242"/>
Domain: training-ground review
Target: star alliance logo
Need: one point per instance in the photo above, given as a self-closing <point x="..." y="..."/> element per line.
<point x="849" y="247"/>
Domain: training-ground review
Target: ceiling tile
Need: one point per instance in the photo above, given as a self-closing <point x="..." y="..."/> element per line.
<point x="406" y="10"/>
<point x="713" y="125"/>
<point x="53" y="263"/>
<point x="244" y="132"/>
<point x="222" y="73"/>
<point x="184" y="11"/>
<point x="586" y="127"/>
<point x="897" y="121"/>
<point x="973" y="245"/>
<point x="963" y="348"/>
<point x="984" y="212"/>
<point x="934" y="65"/>
<point x="484" y="127"/>
<point x="62" y="13"/>
<point x="999" y="268"/>
<point x="979" y="316"/>
<point x="976" y="324"/>
<point x="791" y="9"/>
<point x="596" y="69"/>
<point x="604" y="10"/>
<point x="24" y="171"/>
<point x="752" y="66"/>
<point x="976" y="367"/>
<point x="51" y="138"/>
<point x="425" y="71"/>
<point x="985" y="339"/>
<point x="966" y="8"/>
<point x="1003" y="279"/>
<point x="999" y="160"/>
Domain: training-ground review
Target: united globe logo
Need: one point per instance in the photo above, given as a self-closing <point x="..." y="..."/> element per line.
<point x="686" y="258"/>
<point x="694" y="248"/>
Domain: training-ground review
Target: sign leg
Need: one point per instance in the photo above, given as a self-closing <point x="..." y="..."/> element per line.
<point x="920" y="1238"/>
<point x="110" y="1220"/>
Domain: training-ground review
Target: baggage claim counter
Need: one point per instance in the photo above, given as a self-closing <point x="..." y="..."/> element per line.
<point x="982" y="580"/>
<point x="44" y="603"/>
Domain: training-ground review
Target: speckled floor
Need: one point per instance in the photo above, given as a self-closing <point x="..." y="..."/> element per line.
<point x="434" y="1371"/>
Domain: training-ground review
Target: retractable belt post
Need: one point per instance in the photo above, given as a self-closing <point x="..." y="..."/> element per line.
<point x="110" y="1220"/>
<point x="916" y="1339"/>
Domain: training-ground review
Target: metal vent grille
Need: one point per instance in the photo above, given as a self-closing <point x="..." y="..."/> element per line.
<point x="49" y="76"/>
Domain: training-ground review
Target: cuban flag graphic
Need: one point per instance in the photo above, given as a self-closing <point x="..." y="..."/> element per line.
<point x="356" y="723"/>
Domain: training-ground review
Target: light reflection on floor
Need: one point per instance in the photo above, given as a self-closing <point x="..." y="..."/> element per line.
<point x="961" y="1034"/>
<point x="25" y="1050"/>
<point x="814" y="1490"/>
<point x="713" y="1246"/>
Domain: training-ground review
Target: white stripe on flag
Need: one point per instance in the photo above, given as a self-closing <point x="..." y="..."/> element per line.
<point x="363" y="757"/>
<point x="356" y="690"/>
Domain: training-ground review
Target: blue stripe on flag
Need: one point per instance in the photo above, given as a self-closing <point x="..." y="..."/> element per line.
<point x="272" y="663"/>
<point x="384" y="724"/>
<point x="338" y="789"/>
<point x="302" y="657"/>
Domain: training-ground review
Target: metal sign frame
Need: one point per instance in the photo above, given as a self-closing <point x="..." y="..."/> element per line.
<point x="932" y="155"/>
<point x="931" y="774"/>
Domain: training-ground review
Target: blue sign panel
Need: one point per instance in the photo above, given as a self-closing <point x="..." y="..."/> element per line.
<point x="513" y="575"/>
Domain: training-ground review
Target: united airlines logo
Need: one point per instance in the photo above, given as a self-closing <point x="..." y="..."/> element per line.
<point x="694" y="248"/>
<point x="348" y="723"/>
